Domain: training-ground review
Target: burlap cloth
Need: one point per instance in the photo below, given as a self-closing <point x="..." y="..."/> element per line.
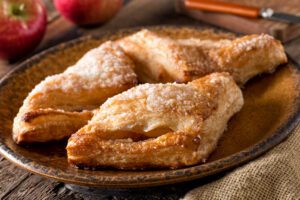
<point x="275" y="175"/>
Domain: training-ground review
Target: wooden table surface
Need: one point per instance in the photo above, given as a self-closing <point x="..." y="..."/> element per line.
<point x="19" y="184"/>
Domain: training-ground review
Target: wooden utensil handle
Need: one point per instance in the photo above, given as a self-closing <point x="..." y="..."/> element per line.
<point x="229" y="8"/>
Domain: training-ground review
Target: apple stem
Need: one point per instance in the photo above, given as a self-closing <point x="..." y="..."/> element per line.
<point x="17" y="10"/>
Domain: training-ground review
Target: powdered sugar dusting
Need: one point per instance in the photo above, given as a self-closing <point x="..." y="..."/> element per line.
<point x="106" y="65"/>
<point x="102" y="67"/>
<point x="249" y="43"/>
<point x="172" y="97"/>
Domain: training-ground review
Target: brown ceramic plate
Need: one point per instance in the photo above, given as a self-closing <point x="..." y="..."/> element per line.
<point x="270" y="112"/>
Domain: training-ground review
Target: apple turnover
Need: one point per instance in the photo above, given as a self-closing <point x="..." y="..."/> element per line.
<point x="160" y="58"/>
<point x="158" y="125"/>
<point x="63" y="103"/>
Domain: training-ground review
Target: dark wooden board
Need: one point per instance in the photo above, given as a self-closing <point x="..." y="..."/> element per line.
<point x="280" y="30"/>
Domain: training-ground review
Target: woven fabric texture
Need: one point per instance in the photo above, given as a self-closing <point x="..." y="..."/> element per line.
<point x="275" y="175"/>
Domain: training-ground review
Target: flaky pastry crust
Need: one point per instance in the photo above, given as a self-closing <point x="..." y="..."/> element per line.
<point x="158" y="125"/>
<point x="63" y="103"/>
<point x="153" y="125"/>
<point x="160" y="58"/>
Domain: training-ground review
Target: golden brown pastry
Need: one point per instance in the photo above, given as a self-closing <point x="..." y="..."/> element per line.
<point x="63" y="103"/>
<point x="160" y="58"/>
<point x="158" y="125"/>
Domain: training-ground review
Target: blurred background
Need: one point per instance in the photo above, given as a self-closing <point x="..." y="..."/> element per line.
<point x="69" y="19"/>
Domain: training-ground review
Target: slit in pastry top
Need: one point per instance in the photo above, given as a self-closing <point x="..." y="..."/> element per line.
<point x="158" y="125"/>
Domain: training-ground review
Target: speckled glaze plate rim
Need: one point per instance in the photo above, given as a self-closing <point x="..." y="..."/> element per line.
<point x="128" y="180"/>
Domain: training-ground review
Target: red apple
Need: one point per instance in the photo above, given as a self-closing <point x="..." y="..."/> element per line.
<point x="22" y="26"/>
<point x="88" y="12"/>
